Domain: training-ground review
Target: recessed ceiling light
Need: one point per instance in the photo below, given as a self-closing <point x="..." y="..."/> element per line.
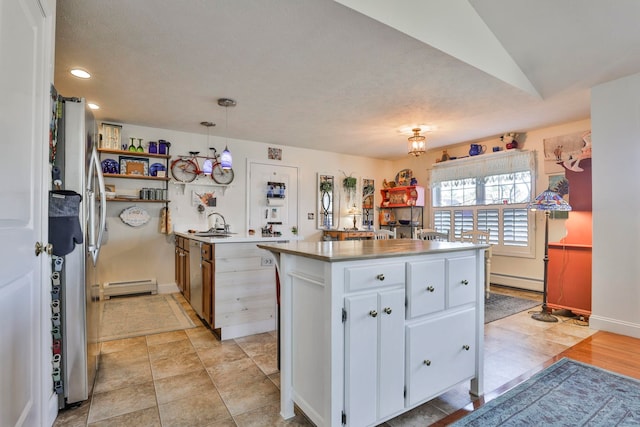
<point x="93" y="106"/>
<point x="80" y="73"/>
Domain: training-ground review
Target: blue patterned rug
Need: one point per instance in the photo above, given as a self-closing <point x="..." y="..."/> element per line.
<point x="499" y="306"/>
<point x="567" y="393"/>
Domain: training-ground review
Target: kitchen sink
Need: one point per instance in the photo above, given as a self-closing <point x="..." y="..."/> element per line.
<point x="212" y="234"/>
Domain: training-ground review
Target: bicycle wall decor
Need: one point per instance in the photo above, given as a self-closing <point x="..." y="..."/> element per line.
<point x="186" y="169"/>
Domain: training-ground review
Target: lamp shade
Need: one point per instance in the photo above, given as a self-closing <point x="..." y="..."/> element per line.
<point x="226" y="161"/>
<point x="549" y="200"/>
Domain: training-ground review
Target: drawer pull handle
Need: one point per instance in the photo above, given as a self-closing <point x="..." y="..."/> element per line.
<point x="431" y="288"/>
<point x="465" y="282"/>
<point x="465" y="347"/>
<point x="427" y="362"/>
<point x="387" y="310"/>
<point x="373" y="313"/>
<point x="380" y="277"/>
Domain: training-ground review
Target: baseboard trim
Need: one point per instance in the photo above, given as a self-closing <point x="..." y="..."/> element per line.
<point x="615" y="326"/>
<point x="518" y="282"/>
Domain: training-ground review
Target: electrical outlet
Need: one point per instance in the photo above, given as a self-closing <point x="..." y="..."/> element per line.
<point x="266" y="261"/>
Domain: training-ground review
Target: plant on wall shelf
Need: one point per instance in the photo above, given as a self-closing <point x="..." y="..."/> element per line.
<point x="349" y="185"/>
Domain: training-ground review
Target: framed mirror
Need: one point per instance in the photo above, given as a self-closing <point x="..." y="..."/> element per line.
<point x="326" y="191"/>
<point x="368" y="203"/>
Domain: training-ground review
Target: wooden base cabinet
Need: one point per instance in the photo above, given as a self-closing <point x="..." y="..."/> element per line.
<point x="182" y="266"/>
<point x="208" y="268"/>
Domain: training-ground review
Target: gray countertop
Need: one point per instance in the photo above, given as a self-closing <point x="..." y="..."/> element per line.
<point x="234" y="238"/>
<point x="366" y="249"/>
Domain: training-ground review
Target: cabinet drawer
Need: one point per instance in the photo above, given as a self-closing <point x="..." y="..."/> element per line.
<point x="426" y="287"/>
<point x="207" y="252"/>
<point x="462" y="280"/>
<point x="440" y="353"/>
<point x="359" y="278"/>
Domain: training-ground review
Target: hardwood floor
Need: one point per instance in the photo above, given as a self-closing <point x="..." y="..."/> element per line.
<point x="613" y="352"/>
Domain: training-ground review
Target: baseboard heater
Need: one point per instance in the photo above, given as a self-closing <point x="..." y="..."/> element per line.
<point x="112" y="289"/>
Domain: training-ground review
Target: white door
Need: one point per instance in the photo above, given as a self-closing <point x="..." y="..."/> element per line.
<point x="280" y="213"/>
<point x="26" y="34"/>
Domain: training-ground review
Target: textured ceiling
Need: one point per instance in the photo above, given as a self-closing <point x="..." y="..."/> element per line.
<point x="319" y="74"/>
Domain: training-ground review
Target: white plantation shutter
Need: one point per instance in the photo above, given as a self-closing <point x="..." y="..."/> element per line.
<point x="489" y="220"/>
<point x="488" y="193"/>
<point x="515" y="227"/>
<point x="462" y="221"/>
<point x="442" y="221"/>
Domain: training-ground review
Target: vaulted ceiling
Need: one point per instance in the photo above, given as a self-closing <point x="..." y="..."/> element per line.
<point x="348" y="76"/>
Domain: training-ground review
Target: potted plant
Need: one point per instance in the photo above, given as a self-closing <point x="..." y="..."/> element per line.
<point x="326" y="186"/>
<point x="349" y="184"/>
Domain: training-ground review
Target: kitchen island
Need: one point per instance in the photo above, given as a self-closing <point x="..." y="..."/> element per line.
<point x="229" y="282"/>
<point x="372" y="329"/>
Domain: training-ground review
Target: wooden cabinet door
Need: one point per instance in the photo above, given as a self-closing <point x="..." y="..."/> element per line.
<point x="177" y="267"/>
<point x="207" y="286"/>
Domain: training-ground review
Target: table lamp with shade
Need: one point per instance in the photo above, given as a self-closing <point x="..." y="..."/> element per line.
<point x="547" y="201"/>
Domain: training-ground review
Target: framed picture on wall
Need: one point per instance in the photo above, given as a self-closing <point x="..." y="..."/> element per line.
<point x="275" y="153"/>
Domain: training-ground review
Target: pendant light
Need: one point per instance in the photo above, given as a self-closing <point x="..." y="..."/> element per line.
<point x="207" y="166"/>
<point x="417" y="143"/>
<point x="226" y="160"/>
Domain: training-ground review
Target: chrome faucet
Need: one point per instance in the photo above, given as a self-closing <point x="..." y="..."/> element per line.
<point x="224" y="222"/>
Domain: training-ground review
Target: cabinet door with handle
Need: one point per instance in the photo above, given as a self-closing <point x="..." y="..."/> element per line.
<point x="441" y="353"/>
<point x="374" y="359"/>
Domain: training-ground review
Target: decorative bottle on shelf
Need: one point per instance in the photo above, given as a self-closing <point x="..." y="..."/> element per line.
<point x="131" y="146"/>
<point x="140" y="149"/>
<point x="445" y="156"/>
<point x="153" y="147"/>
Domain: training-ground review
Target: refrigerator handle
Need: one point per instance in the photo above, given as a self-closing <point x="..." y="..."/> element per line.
<point x="103" y="204"/>
<point x="94" y="244"/>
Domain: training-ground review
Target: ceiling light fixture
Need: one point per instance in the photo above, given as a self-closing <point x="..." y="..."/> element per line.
<point x="93" y="106"/>
<point x="226" y="160"/>
<point x="207" y="166"/>
<point x="80" y="73"/>
<point x="417" y="143"/>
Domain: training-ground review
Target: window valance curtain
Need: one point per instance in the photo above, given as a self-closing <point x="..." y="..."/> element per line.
<point x="484" y="165"/>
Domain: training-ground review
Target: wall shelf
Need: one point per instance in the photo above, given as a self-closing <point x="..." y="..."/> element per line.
<point x="152" y="178"/>
<point x="134" y="153"/>
<point x="124" y="199"/>
<point x="197" y="183"/>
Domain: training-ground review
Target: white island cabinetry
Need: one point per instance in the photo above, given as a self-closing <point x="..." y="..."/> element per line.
<point x="372" y="329"/>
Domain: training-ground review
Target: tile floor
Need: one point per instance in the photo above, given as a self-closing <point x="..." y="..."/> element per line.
<point x="189" y="378"/>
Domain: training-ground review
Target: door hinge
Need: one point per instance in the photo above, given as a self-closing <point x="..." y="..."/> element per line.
<point x="405" y="391"/>
<point x="344" y="418"/>
<point x="406" y="302"/>
<point x="344" y="315"/>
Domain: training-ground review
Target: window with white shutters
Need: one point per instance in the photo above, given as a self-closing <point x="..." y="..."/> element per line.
<point x="480" y="195"/>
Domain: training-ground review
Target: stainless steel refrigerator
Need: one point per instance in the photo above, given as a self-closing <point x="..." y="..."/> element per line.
<point x="80" y="171"/>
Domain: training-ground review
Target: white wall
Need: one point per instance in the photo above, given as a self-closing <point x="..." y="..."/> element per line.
<point x="615" y="112"/>
<point x="142" y="252"/>
<point x="526" y="273"/>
